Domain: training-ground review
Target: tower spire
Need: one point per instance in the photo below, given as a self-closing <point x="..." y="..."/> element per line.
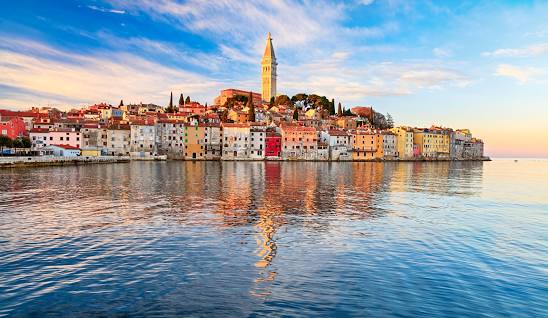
<point x="269" y="70"/>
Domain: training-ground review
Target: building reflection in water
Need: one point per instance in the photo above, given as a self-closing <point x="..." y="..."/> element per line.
<point x="269" y="196"/>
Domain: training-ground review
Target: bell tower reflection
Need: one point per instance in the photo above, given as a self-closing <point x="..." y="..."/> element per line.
<point x="270" y="216"/>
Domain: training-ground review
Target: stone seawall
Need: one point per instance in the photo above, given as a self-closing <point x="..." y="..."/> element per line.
<point x="21" y="162"/>
<point x="16" y="162"/>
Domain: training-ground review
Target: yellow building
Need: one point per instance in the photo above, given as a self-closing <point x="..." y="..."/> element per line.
<point x="404" y="142"/>
<point x="90" y="152"/>
<point x="432" y="143"/>
<point x="269" y="71"/>
<point x="194" y="142"/>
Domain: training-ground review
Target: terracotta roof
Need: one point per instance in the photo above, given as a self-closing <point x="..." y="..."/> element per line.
<point x="39" y="130"/>
<point x="67" y="147"/>
<point x="236" y="125"/>
<point x="335" y="132"/>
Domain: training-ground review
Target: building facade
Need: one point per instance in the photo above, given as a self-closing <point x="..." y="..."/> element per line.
<point x="236" y="140"/>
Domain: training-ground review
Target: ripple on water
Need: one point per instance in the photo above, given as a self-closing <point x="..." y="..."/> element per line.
<point x="275" y="239"/>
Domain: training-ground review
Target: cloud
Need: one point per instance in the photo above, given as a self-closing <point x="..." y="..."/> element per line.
<point x="106" y="10"/>
<point x="352" y="83"/>
<point x="58" y="77"/>
<point x="532" y="50"/>
<point x="439" y="52"/>
<point x="522" y="74"/>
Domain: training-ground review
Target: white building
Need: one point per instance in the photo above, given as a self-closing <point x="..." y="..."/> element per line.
<point x="170" y="138"/>
<point x="213" y="141"/>
<point x="257" y="142"/>
<point x="64" y="150"/>
<point x="338" y="142"/>
<point x="389" y="145"/>
<point x="236" y="141"/>
<point x="118" y="140"/>
<point x="143" y="139"/>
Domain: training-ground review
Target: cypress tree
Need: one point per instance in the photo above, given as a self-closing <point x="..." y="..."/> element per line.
<point x="181" y="100"/>
<point x="339" y="110"/>
<point x="332" y="107"/>
<point x="296" y="114"/>
<point x="121" y="103"/>
<point x="187" y="100"/>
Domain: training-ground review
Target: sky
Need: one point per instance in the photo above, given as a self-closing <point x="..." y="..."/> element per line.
<point x="481" y="65"/>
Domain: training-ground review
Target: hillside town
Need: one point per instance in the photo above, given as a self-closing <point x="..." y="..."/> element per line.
<point x="238" y="125"/>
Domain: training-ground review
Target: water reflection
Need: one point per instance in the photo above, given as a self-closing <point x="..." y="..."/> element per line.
<point x="250" y="238"/>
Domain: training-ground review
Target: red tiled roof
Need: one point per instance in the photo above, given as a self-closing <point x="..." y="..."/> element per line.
<point x="67" y="147"/>
<point x="335" y="132"/>
<point x="39" y="130"/>
<point x="236" y="125"/>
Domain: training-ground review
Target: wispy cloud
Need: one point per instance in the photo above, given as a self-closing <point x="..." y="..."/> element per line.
<point x="96" y="8"/>
<point x="439" y="52"/>
<point x="59" y="77"/>
<point x="522" y="74"/>
<point x="532" y="50"/>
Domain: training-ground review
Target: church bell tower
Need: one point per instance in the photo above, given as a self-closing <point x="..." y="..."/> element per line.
<point x="269" y="71"/>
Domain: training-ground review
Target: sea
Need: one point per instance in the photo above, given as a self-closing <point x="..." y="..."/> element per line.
<point x="275" y="239"/>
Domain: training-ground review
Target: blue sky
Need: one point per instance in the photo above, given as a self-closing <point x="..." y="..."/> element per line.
<point x="476" y="64"/>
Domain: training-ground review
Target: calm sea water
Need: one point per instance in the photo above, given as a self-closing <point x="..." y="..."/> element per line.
<point x="275" y="239"/>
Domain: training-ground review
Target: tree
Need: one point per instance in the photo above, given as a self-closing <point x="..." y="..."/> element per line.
<point x="347" y="112"/>
<point x="26" y="142"/>
<point x="272" y="101"/>
<point x="170" y="109"/>
<point x="283" y="100"/>
<point x="339" y="110"/>
<point x="300" y="100"/>
<point x="187" y="100"/>
<point x="181" y="100"/>
<point x="121" y="103"/>
<point x="17" y="143"/>
<point x="5" y="142"/>
<point x="389" y="121"/>
<point x="332" y="107"/>
<point x="296" y="114"/>
<point x="251" y="107"/>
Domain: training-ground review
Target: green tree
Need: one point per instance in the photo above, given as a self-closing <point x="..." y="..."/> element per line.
<point x="251" y="109"/>
<point x="332" y="107"/>
<point x="121" y="103"/>
<point x="296" y="114"/>
<point x="347" y="112"/>
<point x="17" y="143"/>
<point x="283" y="100"/>
<point x="187" y="100"/>
<point x="339" y="110"/>
<point x="300" y="99"/>
<point x="170" y="109"/>
<point x="26" y="142"/>
<point x="272" y="101"/>
<point x="389" y="121"/>
<point x="181" y="100"/>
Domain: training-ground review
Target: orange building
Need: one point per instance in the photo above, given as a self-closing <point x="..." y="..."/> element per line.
<point x="365" y="145"/>
<point x="231" y="92"/>
<point x="299" y="142"/>
<point x="194" y="142"/>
